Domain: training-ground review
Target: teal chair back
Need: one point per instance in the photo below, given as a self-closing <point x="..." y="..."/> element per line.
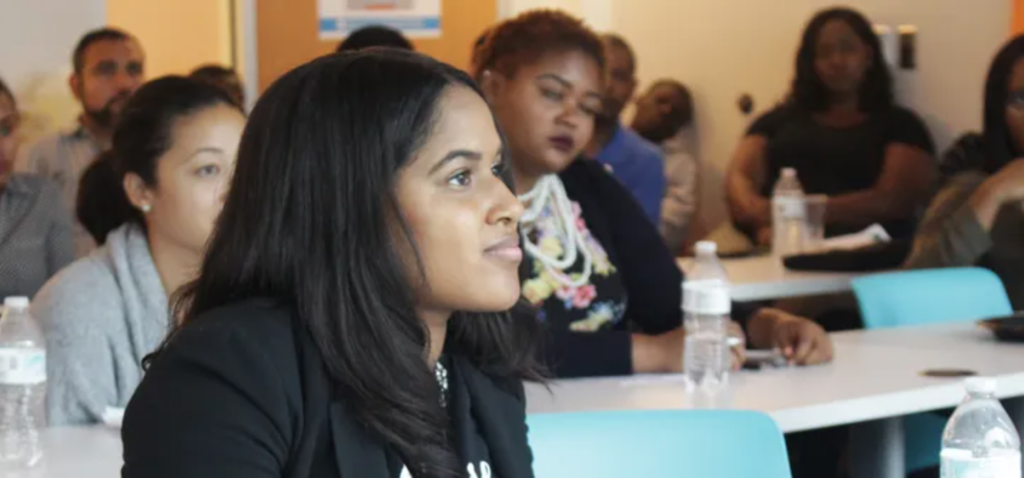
<point x="929" y="297"/>
<point x="667" y="443"/>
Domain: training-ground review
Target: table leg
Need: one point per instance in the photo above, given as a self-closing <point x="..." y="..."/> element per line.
<point x="877" y="449"/>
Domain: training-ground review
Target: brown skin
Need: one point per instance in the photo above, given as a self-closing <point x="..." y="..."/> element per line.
<point x="907" y="173"/>
<point x="111" y="72"/>
<point x="619" y="87"/>
<point x="556" y="96"/>
<point x="654" y="113"/>
<point x="1006" y="187"/>
<point x="559" y="94"/>
<point x="463" y="218"/>
<point x="9" y="141"/>
<point x="192" y="178"/>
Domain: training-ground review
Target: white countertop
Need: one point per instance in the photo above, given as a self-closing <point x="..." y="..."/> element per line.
<point x="77" y="452"/>
<point x="876" y="374"/>
<point x="765" y="278"/>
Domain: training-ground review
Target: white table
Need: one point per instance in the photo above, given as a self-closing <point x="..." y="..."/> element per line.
<point x="876" y="376"/>
<point x="765" y="278"/>
<point x="87" y="452"/>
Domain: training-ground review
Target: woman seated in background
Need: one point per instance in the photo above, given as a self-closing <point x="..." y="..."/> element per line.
<point x="35" y="226"/>
<point x="161" y="187"/>
<point x="978" y="216"/>
<point x="843" y="133"/>
<point x="606" y="286"/>
<point x="350" y="318"/>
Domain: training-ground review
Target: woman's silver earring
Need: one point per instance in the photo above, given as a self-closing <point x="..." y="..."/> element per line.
<point x="146" y="208"/>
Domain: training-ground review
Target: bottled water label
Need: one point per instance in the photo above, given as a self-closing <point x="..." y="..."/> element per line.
<point x="789" y="207"/>
<point x="22" y="366"/>
<point x="962" y="464"/>
<point x="706" y="297"/>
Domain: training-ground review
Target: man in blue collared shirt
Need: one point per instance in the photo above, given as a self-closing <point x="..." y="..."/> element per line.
<point x="108" y="68"/>
<point x="634" y="161"/>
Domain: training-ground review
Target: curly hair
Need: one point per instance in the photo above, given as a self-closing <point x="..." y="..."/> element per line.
<point x="809" y="93"/>
<point x="530" y="35"/>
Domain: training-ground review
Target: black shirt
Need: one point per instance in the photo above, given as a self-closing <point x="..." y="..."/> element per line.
<point x="836" y="161"/>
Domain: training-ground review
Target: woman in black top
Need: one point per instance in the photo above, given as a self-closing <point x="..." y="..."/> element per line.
<point x="604" y="282"/>
<point x="842" y="132"/>
<point x="350" y="317"/>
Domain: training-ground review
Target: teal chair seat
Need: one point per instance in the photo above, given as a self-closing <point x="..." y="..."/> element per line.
<point x="929" y="297"/>
<point x="654" y="444"/>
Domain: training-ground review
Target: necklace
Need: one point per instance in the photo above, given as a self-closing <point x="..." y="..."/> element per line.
<point x="549" y="193"/>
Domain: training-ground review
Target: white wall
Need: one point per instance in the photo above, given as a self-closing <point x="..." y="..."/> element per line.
<point x="722" y="48"/>
<point x="36" y="41"/>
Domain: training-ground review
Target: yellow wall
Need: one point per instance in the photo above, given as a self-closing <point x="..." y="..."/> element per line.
<point x="177" y="35"/>
<point x="287" y="34"/>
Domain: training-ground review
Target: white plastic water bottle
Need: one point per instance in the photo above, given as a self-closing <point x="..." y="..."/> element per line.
<point x="980" y="440"/>
<point x="706" y="308"/>
<point x="22" y="385"/>
<point x="789" y="212"/>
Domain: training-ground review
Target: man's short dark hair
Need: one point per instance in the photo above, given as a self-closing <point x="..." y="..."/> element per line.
<point x="621" y="43"/>
<point x="375" y="35"/>
<point x="95" y="36"/>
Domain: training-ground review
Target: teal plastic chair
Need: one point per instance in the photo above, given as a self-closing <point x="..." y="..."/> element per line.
<point x="655" y="444"/>
<point x="929" y="297"/>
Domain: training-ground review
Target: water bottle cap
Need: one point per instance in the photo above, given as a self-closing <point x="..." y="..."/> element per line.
<point x="16" y="302"/>
<point x="788" y="172"/>
<point x="986" y="385"/>
<point x="707" y="247"/>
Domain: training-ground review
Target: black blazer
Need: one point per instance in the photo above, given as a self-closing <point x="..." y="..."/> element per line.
<point x="244" y="393"/>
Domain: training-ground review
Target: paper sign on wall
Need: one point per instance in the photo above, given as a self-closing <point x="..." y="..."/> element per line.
<point x="414" y="18"/>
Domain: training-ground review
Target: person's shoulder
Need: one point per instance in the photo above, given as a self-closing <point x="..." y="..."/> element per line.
<point x="768" y="123"/>
<point x="643" y="147"/>
<point x="84" y="293"/>
<point x="35" y="185"/>
<point x="252" y="323"/>
<point x="905" y="126"/>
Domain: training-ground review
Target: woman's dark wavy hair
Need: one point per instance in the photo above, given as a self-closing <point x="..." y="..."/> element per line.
<point x="312" y="220"/>
<point x="141" y="137"/>
<point x="809" y="93"/>
<point x="996" y="133"/>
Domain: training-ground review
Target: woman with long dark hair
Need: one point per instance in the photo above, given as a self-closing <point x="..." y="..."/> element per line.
<point x="978" y="216"/>
<point x="607" y="288"/>
<point x="844" y="134"/>
<point x="351" y="314"/>
<point x="151" y="202"/>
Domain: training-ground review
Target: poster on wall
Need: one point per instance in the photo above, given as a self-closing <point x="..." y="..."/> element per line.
<point x="414" y="18"/>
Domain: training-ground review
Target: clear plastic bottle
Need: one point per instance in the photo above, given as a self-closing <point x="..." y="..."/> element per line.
<point x="980" y="440"/>
<point x="706" y="308"/>
<point x="22" y="385"/>
<point x="789" y="212"/>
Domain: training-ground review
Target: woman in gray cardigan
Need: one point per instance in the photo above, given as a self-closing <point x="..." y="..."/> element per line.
<point x="978" y="216"/>
<point x="35" y="227"/>
<point x="151" y="202"/>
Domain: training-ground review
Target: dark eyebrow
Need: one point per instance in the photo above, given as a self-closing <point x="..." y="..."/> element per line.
<point x="456" y="154"/>
<point x="208" y="149"/>
<point x="559" y="79"/>
<point x="566" y="84"/>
